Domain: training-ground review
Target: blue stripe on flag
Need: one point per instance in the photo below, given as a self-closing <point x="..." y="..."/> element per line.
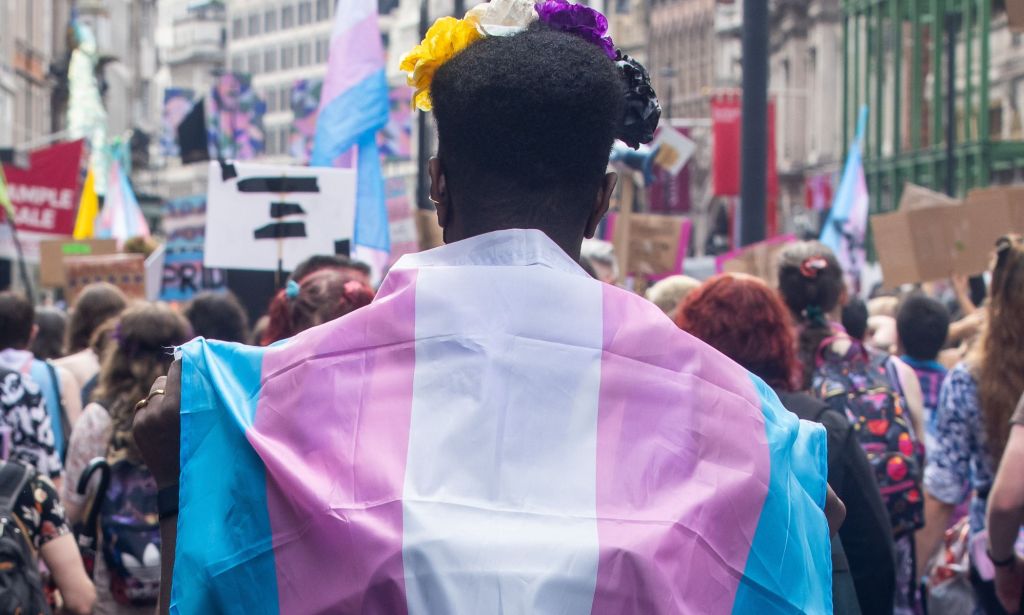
<point x="842" y="204"/>
<point x="371" y="228"/>
<point x="789" y="569"/>
<point x="354" y="119"/>
<point x="343" y="122"/>
<point x="225" y="557"/>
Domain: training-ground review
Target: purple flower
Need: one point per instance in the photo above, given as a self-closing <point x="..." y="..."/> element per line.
<point x="579" y="20"/>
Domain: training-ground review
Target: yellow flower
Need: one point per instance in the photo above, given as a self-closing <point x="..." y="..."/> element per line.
<point x="447" y="37"/>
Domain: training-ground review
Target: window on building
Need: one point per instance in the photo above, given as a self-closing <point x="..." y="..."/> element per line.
<point x="323" y="50"/>
<point x="270" y="21"/>
<point x="271" y="100"/>
<point x="254" y="62"/>
<point x="305" y="12"/>
<point x="270" y="60"/>
<point x="284" y="134"/>
<point x="237" y="28"/>
<point x="305" y="54"/>
<point x="254" y="25"/>
<point x="271" y="143"/>
<point x="323" y="10"/>
<point x="285" y="95"/>
<point x="238" y="64"/>
<point x="287" y="17"/>
<point x="287" y="57"/>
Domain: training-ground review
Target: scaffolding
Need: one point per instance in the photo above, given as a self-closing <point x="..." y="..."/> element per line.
<point x="898" y="59"/>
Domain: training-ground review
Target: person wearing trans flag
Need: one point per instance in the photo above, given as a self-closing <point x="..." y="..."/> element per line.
<point x="497" y="432"/>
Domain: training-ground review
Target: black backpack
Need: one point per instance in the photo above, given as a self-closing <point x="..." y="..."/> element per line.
<point x="21" y="588"/>
<point x="865" y="389"/>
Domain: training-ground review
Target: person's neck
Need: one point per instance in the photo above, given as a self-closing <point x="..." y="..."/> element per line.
<point x="571" y="247"/>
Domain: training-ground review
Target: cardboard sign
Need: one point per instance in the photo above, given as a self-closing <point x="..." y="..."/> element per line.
<point x="126" y="271"/>
<point x="650" y="245"/>
<point x="760" y="259"/>
<point x="52" y="254"/>
<point x="257" y="214"/>
<point x="1015" y="15"/>
<point x="932" y="236"/>
<point x="989" y="214"/>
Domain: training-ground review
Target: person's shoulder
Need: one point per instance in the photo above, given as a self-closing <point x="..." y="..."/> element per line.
<point x="962" y="376"/>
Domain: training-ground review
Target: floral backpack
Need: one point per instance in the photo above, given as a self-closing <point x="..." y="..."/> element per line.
<point x="130" y="526"/>
<point x="865" y="388"/>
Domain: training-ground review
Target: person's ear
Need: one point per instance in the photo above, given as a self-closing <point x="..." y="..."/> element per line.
<point x="32" y="336"/>
<point x="439" y="191"/>
<point x="601" y="204"/>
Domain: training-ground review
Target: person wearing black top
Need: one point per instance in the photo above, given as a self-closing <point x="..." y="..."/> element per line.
<point x="747" y="321"/>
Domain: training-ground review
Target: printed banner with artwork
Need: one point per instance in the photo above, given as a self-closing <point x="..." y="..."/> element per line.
<point x="177" y="104"/>
<point x="304" y="101"/>
<point x="395" y="141"/>
<point x="183" y="272"/>
<point x="234" y="118"/>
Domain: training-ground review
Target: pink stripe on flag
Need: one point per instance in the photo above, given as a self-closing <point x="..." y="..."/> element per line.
<point x="356" y="54"/>
<point x="332" y="427"/>
<point x="682" y="467"/>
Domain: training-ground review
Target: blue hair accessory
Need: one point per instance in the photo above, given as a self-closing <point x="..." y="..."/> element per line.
<point x="291" y="289"/>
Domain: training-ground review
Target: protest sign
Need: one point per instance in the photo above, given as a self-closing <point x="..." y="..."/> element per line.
<point x="183" y="272"/>
<point x="45" y="197"/>
<point x="758" y="259"/>
<point x="932" y="236"/>
<point x="53" y="252"/>
<point x="126" y="271"/>
<point x="1015" y="15"/>
<point x="990" y="213"/>
<point x="650" y="245"/>
<point x="271" y="217"/>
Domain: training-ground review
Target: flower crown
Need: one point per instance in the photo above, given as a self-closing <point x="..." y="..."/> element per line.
<point x="449" y="36"/>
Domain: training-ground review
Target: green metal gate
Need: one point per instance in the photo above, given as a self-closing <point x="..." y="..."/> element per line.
<point x="895" y="60"/>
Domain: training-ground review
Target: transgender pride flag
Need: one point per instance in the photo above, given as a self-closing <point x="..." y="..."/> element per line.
<point x="496" y="433"/>
<point x="121" y="217"/>
<point x="353" y="107"/>
<point x="846" y="228"/>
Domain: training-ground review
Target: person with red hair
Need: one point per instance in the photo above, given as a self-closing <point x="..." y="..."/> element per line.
<point x="746" y="320"/>
<point x="317" y="298"/>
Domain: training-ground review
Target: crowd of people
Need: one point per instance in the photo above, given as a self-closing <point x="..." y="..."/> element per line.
<point x="498" y="429"/>
<point x="69" y="384"/>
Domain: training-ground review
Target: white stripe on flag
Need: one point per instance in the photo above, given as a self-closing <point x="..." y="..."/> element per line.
<point x="499" y="502"/>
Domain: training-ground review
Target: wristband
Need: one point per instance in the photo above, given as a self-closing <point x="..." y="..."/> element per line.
<point x="167" y="501"/>
<point x="1003" y="563"/>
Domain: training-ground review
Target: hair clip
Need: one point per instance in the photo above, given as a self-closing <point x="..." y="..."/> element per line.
<point x="291" y="289"/>
<point x="812" y="265"/>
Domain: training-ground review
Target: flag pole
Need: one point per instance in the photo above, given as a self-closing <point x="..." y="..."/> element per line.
<point x="22" y="268"/>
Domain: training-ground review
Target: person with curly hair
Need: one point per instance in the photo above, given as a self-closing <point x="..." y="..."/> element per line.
<point x="747" y="321"/>
<point x="140" y="349"/>
<point x="497" y="432"/>
<point x="972" y="423"/>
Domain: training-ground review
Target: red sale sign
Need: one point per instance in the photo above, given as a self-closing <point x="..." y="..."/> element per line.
<point x="45" y="194"/>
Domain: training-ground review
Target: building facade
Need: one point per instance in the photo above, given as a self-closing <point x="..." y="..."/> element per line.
<point x="33" y="43"/>
<point x="192" y="41"/>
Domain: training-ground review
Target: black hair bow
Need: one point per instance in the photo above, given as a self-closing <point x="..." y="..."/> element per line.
<point x="640" y="119"/>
